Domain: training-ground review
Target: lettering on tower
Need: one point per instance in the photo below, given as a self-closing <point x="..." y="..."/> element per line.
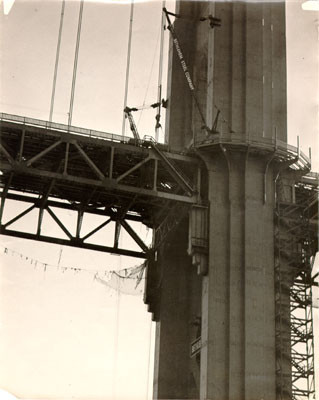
<point x="196" y="346"/>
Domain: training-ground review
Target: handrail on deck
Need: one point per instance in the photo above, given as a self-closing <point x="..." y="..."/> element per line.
<point x="273" y="143"/>
<point x="64" y="128"/>
<point x="238" y="138"/>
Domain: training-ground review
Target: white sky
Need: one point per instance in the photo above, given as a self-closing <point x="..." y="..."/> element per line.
<point x="58" y="330"/>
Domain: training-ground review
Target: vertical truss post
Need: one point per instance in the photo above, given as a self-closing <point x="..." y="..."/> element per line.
<point x="21" y="145"/>
<point x="66" y="159"/>
<point x="4" y="195"/>
<point x="117" y="234"/>
<point x="111" y="162"/>
<point x="155" y="174"/>
<point x="40" y="219"/>
<point x="43" y="203"/>
<point x="79" y="223"/>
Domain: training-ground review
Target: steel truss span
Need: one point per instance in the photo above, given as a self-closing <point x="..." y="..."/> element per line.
<point x="50" y="167"/>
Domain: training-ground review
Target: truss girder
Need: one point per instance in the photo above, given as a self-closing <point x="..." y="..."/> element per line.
<point x="78" y="240"/>
<point x="120" y="179"/>
<point x="112" y="166"/>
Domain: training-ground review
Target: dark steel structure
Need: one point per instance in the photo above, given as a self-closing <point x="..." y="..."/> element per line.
<point x="296" y="246"/>
<point x="247" y="302"/>
<point x="52" y="166"/>
<point x="227" y="195"/>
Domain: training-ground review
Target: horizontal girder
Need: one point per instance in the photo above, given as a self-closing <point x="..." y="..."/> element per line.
<point x="50" y="166"/>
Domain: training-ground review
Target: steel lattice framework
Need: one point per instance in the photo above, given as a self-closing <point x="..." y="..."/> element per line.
<point x="296" y="246"/>
<point x="51" y="167"/>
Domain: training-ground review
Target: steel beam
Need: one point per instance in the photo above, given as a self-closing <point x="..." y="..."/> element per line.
<point x="20" y="155"/>
<point x="72" y="243"/>
<point x="137" y="166"/>
<point x="96" y="229"/>
<point x="66" y="159"/>
<point x="90" y="163"/>
<point x="108" y="184"/>
<point x="56" y="219"/>
<point x="117" y="234"/>
<point x="66" y="206"/>
<point x="16" y="218"/>
<point x="134" y="235"/>
<point x="7" y="154"/>
<point x="4" y="195"/>
<point x="42" y="153"/>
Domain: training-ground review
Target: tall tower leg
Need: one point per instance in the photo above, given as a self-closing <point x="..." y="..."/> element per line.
<point x="238" y="308"/>
<point x="176" y="375"/>
<point x="239" y="74"/>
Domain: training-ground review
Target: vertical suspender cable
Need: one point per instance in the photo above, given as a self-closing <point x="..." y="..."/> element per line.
<point x="76" y="56"/>
<point x="149" y="359"/>
<point x="116" y="338"/>
<point x="57" y="61"/>
<point x="160" y="73"/>
<point x="149" y="80"/>
<point x="128" y="61"/>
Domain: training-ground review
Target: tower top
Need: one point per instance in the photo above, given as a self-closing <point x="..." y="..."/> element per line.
<point x="235" y="53"/>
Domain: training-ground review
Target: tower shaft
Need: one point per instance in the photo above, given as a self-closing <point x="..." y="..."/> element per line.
<point x="239" y="74"/>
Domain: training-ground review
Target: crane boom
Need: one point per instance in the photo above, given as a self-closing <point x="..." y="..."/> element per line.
<point x="128" y="113"/>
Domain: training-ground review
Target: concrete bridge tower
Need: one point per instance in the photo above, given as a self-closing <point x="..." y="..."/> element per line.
<point x="215" y="278"/>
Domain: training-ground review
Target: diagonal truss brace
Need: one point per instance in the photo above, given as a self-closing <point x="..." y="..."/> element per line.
<point x="134" y="235"/>
<point x="7" y="154"/>
<point x="19" y="216"/>
<point x="128" y="172"/>
<point x="56" y="219"/>
<point x="88" y="160"/>
<point x="76" y="240"/>
<point x="42" y="153"/>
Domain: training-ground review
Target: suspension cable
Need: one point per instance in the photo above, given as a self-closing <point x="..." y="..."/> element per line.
<point x="76" y="56"/>
<point x="57" y="60"/>
<point x="149" y="358"/>
<point x="144" y="106"/>
<point x="160" y="75"/>
<point x="128" y="62"/>
<point x="116" y="340"/>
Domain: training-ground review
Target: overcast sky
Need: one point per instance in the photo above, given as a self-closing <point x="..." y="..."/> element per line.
<point x="61" y="343"/>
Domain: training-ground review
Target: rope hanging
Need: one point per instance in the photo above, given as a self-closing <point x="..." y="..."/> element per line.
<point x="127" y="280"/>
<point x="160" y="76"/>
<point x="57" y="61"/>
<point x="116" y="341"/>
<point x="144" y="106"/>
<point x="128" y="62"/>
<point x="76" y="56"/>
<point x="149" y="359"/>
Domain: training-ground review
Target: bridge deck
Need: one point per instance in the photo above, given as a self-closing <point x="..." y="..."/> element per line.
<point x="52" y="165"/>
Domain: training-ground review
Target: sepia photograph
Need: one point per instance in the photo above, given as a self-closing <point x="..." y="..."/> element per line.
<point x="159" y="187"/>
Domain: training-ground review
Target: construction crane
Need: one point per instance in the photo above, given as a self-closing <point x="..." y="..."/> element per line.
<point x="128" y="114"/>
<point x="149" y="141"/>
